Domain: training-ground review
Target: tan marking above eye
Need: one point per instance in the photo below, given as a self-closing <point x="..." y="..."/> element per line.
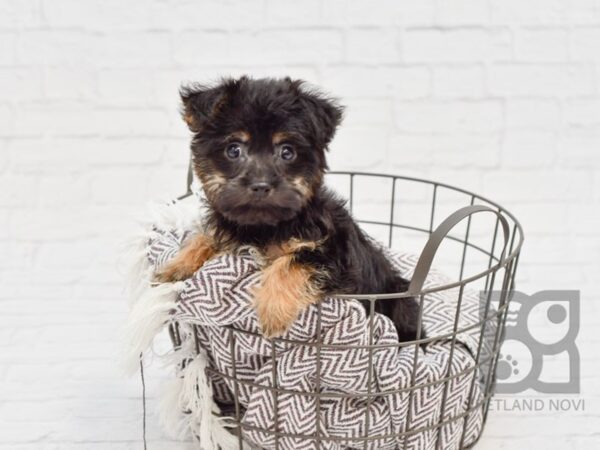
<point x="281" y="136"/>
<point x="241" y="136"/>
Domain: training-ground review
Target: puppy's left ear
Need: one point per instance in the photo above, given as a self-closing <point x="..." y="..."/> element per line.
<point x="325" y="115"/>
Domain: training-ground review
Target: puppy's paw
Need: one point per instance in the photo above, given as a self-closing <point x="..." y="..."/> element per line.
<point x="196" y="252"/>
<point x="285" y="290"/>
<point x="276" y="311"/>
<point x="175" y="271"/>
<point x="272" y="327"/>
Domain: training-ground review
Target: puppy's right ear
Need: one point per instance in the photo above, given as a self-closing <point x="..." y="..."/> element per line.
<point x="199" y="104"/>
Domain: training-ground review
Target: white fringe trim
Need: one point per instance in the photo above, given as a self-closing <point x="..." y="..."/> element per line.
<point x="148" y="316"/>
<point x="150" y="311"/>
<point x="192" y="392"/>
<point x="139" y="270"/>
<point x="175" y="215"/>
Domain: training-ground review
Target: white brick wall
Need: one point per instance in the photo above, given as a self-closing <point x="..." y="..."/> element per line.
<point x="498" y="96"/>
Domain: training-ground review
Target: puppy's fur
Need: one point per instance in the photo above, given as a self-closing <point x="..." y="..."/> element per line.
<point x="259" y="150"/>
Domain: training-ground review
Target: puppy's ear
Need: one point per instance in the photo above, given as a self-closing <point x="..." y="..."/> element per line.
<point x="325" y="114"/>
<point x="201" y="102"/>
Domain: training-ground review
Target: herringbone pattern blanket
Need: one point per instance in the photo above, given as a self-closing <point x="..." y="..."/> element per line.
<point x="217" y="303"/>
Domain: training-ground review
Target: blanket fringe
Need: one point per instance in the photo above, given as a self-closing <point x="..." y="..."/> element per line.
<point x="151" y="308"/>
<point x="173" y="215"/>
<point x="192" y="393"/>
<point x="147" y="317"/>
<point x="138" y="268"/>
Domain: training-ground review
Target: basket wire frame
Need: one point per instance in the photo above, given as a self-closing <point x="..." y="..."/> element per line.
<point x="503" y="266"/>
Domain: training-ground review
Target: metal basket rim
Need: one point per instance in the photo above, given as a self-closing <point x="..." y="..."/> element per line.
<point x="494" y="268"/>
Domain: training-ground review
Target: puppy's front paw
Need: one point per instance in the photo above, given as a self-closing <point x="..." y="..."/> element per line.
<point x="175" y="271"/>
<point x="285" y="290"/>
<point x="272" y="326"/>
<point x="276" y="310"/>
<point x="190" y="258"/>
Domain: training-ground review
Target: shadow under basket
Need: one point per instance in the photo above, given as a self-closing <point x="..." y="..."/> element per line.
<point x="321" y="391"/>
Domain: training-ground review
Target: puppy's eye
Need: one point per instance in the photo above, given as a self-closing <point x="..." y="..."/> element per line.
<point x="233" y="151"/>
<point x="287" y="152"/>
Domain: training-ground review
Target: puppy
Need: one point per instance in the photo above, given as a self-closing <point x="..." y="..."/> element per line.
<point x="258" y="148"/>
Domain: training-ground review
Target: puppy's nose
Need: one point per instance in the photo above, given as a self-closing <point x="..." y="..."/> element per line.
<point x="261" y="188"/>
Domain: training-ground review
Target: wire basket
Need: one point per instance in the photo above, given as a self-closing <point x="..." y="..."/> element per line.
<point x="417" y="214"/>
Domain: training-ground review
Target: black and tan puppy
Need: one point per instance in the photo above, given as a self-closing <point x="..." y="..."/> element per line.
<point x="259" y="150"/>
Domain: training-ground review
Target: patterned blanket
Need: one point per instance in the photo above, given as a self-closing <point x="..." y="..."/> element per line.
<point x="216" y="303"/>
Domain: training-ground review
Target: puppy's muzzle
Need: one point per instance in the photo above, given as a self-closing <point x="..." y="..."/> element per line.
<point x="261" y="189"/>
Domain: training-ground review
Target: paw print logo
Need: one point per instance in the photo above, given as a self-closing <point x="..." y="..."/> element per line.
<point x="507" y="367"/>
<point x="540" y="328"/>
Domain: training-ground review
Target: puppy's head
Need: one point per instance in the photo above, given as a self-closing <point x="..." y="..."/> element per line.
<point x="259" y="145"/>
